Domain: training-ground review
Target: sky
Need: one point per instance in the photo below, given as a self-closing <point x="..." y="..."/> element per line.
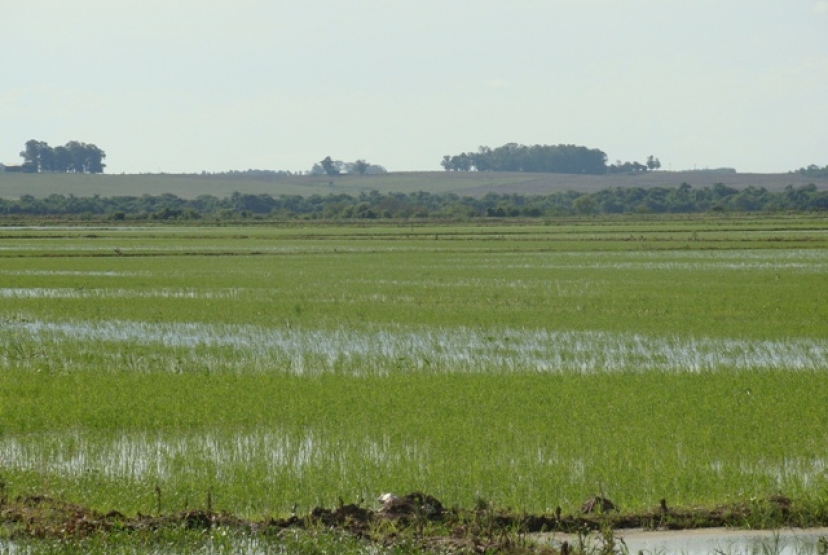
<point x="207" y="85"/>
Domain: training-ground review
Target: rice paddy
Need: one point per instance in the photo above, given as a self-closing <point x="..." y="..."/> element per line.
<point x="386" y="350"/>
<point x="531" y="367"/>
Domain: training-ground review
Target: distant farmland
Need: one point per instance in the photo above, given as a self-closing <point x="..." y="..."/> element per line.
<point x="13" y="186"/>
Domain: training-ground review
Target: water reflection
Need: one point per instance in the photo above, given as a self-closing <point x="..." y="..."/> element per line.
<point x="390" y="348"/>
<point x="710" y="541"/>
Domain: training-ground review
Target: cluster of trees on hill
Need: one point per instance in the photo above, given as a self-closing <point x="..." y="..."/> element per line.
<point x="328" y="166"/>
<point x="422" y="205"/>
<point x="813" y="171"/>
<point x="651" y="164"/>
<point x="74" y="157"/>
<point x="572" y="159"/>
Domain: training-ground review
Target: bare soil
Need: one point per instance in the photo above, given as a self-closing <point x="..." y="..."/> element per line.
<point x="416" y="517"/>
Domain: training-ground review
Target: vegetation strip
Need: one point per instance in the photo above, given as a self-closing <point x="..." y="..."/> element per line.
<point x="424" y="206"/>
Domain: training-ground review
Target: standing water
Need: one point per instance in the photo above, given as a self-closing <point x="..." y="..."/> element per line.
<point x="707" y="541"/>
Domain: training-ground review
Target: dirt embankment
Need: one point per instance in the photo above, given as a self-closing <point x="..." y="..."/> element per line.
<point x="416" y="517"/>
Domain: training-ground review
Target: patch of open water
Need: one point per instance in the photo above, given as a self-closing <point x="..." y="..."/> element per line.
<point x="386" y="349"/>
<point x="717" y="541"/>
<point x="73" y="273"/>
<point x="218" y="542"/>
<point x="690" y="542"/>
<point x="142" y="457"/>
<point x="109" y="293"/>
<point x="799" y="260"/>
<point x="271" y="456"/>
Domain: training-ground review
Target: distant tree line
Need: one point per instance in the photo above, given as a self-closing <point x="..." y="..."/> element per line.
<point x="651" y="164"/>
<point x="813" y="171"/>
<point x="571" y="159"/>
<point x="247" y="173"/>
<point x="422" y="205"/>
<point x="73" y="157"/>
<point x="328" y="166"/>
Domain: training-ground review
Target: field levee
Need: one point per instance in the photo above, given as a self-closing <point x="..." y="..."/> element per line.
<point x="15" y="185"/>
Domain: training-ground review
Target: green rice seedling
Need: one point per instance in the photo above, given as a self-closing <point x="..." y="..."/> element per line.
<point x="273" y="367"/>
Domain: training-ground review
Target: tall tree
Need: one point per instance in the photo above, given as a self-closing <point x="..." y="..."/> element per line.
<point x="62" y="159"/>
<point x="329" y="166"/>
<point x="653" y="163"/>
<point x="34" y="153"/>
<point x="94" y="159"/>
<point x="77" y="156"/>
<point x="361" y="166"/>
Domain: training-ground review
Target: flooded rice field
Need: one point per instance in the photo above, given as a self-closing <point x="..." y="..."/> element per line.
<point x="386" y="349"/>
<point x="273" y="457"/>
<point x="111" y="293"/>
<point x="501" y="372"/>
<point x="69" y="273"/>
<point x="144" y="458"/>
<point x="743" y="260"/>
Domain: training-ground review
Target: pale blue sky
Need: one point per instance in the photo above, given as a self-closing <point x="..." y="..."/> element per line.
<point x="186" y="85"/>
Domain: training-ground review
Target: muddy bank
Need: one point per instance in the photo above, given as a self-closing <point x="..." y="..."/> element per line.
<point x="422" y="519"/>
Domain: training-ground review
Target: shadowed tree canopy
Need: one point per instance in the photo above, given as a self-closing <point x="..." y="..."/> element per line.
<point x="361" y="166"/>
<point x="813" y="171"/>
<point x="513" y="157"/>
<point x="329" y="166"/>
<point x="74" y="157"/>
<point x="653" y="163"/>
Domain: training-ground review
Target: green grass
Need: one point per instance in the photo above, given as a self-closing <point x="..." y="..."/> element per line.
<point x="527" y="441"/>
<point x="180" y="541"/>
<point x="532" y="366"/>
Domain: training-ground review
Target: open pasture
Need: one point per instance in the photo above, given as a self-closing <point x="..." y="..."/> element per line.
<point x="475" y="184"/>
<point x="529" y="366"/>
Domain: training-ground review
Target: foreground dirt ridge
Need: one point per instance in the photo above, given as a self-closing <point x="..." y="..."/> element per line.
<point x="414" y="516"/>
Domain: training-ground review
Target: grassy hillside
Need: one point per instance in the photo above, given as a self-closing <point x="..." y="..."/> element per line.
<point x="13" y="186"/>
